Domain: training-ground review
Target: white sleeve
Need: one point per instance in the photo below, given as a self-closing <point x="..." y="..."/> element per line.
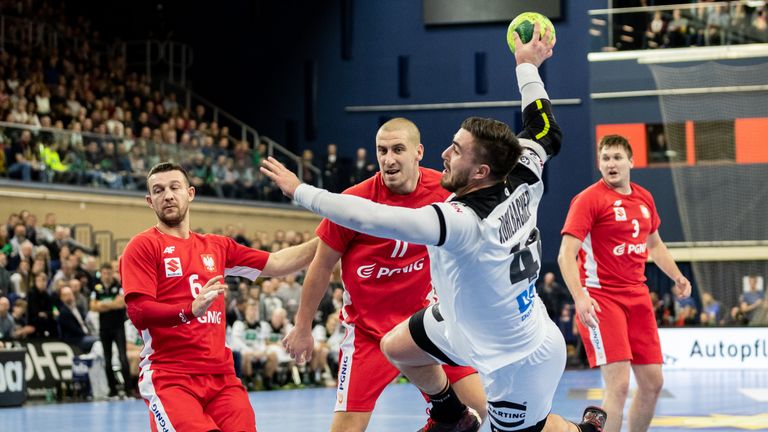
<point x="458" y="226"/>
<point x="418" y="226"/>
<point x="530" y="84"/>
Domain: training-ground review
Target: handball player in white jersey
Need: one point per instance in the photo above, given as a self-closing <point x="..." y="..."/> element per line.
<point x="484" y="251"/>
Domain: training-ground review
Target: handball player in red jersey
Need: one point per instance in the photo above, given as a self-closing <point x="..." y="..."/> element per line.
<point x="174" y="291"/>
<point x="611" y="228"/>
<point x="385" y="282"/>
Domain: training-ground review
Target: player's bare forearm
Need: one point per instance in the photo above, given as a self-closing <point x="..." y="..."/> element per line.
<point x="569" y="266"/>
<point x="315" y="284"/>
<point x="290" y="260"/>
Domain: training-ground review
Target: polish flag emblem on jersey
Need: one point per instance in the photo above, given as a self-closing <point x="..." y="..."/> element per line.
<point x="208" y="262"/>
<point x="173" y="267"/>
<point x="645" y="211"/>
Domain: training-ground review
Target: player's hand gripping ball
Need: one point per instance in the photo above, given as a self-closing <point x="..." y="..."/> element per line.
<point x="523" y="25"/>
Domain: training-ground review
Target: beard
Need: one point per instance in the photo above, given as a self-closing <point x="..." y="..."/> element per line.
<point x="172" y="220"/>
<point x="456" y="181"/>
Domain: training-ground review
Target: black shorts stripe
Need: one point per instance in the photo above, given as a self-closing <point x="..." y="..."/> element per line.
<point x="441" y="218"/>
<point x="419" y="335"/>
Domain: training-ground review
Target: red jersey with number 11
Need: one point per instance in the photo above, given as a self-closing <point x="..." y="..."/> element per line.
<point x="613" y="229"/>
<point x="386" y="281"/>
<point x="172" y="270"/>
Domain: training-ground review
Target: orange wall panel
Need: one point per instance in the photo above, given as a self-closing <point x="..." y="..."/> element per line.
<point x="751" y="136"/>
<point x="635" y="133"/>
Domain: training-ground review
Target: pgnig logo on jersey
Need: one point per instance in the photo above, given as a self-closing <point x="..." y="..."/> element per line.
<point x="629" y="248"/>
<point x="366" y="271"/>
<point x="159" y="418"/>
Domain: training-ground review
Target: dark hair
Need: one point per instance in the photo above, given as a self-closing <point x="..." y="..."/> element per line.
<point x="165" y="167"/>
<point x="615" y="140"/>
<point x="106" y="266"/>
<point x="496" y="145"/>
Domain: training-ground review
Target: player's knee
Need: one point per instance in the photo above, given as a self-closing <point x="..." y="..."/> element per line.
<point x="389" y="347"/>
<point x="652" y="385"/>
<point x="618" y="388"/>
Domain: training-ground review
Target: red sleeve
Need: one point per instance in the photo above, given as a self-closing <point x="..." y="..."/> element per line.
<point x="335" y="236"/>
<point x="581" y="216"/>
<point x="145" y="312"/>
<point x="138" y="267"/>
<point x="243" y="261"/>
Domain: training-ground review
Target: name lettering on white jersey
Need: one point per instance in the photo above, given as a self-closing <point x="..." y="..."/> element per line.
<point x="169" y="250"/>
<point x="516" y="215"/>
<point x="366" y="271"/>
<point x="173" y="267"/>
<point x="621" y="214"/>
<point x="397" y="252"/>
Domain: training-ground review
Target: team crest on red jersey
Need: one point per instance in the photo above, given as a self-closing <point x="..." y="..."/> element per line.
<point x="173" y="267"/>
<point x="208" y="262"/>
<point x="621" y="214"/>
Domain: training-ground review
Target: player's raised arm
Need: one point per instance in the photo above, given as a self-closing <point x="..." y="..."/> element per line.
<point x="539" y="123"/>
<point x="419" y="226"/>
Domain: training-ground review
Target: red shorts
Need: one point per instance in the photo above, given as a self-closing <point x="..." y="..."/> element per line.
<point x="626" y="330"/>
<point x="196" y="402"/>
<point x="364" y="372"/>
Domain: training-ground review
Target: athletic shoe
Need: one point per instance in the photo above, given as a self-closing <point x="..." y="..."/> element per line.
<point x="469" y="422"/>
<point x="595" y="416"/>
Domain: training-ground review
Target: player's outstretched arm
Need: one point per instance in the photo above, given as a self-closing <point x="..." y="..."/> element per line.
<point x="419" y="226"/>
<point x="299" y="342"/>
<point x="539" y="123"/>
<point x="291" y="259"/>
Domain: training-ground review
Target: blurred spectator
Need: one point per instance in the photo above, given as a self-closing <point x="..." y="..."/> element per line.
<point x="749" y="301"/>
<point x="42" y="312"/>
<point x="268" y="300"/>
<point x="712" y="312"/>
<point x="332" y="170"/>
<point x="71" y="322"/>
<point x="553" y="295"/>
<point x="20" y="317"/>
<point x="289" y="291"/>
<point x="362" y="169"/>
<point x="249" y="339"/>
<point x="654" y="36"/>
<point x="7" y="324"/>
<point x="5" y="276"/>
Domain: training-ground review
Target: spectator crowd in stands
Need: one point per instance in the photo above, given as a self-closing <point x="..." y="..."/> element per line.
<point x="52" y="287"/>
<point x="84" y="119"/>
<point x="687" y="25"/>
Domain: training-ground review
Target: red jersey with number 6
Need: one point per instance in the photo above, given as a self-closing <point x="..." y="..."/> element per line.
<point x="172" y="270"/>
<point x="386" y="281"/>
<point x="613" y="229"/>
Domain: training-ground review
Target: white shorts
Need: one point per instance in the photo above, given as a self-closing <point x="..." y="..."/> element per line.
<point x="519" y="394"/>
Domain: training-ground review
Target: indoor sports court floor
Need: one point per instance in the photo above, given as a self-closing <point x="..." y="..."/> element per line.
<point x="691" y="401"/>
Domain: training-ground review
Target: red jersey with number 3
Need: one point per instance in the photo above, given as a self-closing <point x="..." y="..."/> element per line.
<point x="386" y="281"/>
<point x="172" y="270"/>
<point x="613" y="229"/>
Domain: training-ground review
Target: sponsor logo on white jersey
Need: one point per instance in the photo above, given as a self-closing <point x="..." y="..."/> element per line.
<point x="629" y="248"/>
<point x="621" y="214"/>
<point x="169" y="250"/>
<point x="173" y="267"/>
<point x="367" y="271"/>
